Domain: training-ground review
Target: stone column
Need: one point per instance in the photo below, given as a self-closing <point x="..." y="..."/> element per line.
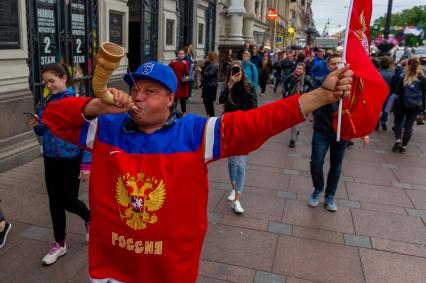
<point x="236" y="12"/>
<point x="264" y="10"/>
<point x="249" y="17"/>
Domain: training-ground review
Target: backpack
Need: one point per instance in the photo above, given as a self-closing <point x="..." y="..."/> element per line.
<point x="412" y="95"/>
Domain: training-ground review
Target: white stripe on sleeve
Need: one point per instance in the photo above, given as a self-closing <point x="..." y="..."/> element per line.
<point x="208" y="149"/>
<point x="91" y="133"/>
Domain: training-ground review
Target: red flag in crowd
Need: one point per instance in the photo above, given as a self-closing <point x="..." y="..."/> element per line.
<point x="369" y="91"/>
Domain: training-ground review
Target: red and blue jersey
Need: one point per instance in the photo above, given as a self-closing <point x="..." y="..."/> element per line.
<point x="148" y="192"/>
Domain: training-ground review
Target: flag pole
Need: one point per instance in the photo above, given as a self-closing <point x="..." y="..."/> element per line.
<point x="348" y="22"/>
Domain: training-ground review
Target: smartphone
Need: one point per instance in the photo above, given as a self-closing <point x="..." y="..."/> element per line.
<point x="31" y="115"/>
<point x="235" y="70"/>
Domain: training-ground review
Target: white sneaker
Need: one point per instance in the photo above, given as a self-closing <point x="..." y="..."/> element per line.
<point x="236" y="206"/>
<point x="231" y="196"/>
<point x="55" y="252"/>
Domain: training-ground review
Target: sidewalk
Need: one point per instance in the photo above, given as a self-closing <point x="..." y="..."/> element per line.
<point x="378" y="234"/>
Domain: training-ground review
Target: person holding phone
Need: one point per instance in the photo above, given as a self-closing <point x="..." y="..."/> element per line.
<point x="240" y="95"/>
<point x="65" y="164"/>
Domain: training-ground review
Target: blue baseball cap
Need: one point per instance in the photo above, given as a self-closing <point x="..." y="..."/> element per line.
<point x="154" y="71"/>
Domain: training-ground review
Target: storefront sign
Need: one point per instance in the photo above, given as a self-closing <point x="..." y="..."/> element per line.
<point x="78" y="31"/>
<point x="46" y="22"/>
<point x="9" y="24"/>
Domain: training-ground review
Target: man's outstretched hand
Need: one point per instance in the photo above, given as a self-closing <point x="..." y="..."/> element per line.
<point x="340" y="81"/>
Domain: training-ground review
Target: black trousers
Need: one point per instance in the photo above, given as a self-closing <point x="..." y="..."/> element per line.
<point x="62" y="185"/>
<point x="209" y="97"/>
<point x="1" y="216"/>
<point x="182" y="103"/>
<point x="410" y="118"/>
<point x="262" y="82"/>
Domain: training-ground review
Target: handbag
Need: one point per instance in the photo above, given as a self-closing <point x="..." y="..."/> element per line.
<point x="187" y="79"/>
<point x="223" y="96"/>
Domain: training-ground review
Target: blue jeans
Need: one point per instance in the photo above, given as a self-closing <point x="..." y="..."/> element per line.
<point x="237" y="171"/>
<point x="320" y="144"/>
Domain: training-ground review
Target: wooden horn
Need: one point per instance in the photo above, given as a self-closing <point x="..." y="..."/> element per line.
<point x="107" y="60"/>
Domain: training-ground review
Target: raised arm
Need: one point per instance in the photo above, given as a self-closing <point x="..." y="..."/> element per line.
<point x="239" y="133"/>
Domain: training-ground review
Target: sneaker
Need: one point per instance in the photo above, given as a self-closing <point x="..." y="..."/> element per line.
<point x="262" y="94"/>
<point x="3" y="234"/>
<point x="403" y="149"/>
<point x="396" y="146"/>
<point x="292" y="144"/>
<point x="350" y="143"/>
<point x="314" y="199"/>
<point x="330" y="204"/>
<point x="231" y="196"/>
<point x="86" y="228"/>
<point x="236" y="206"/>
<point x="55" y="252"/>
<point x="384" y="127"/>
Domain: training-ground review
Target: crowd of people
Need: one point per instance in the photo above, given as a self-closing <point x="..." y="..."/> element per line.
<point x="142" y="142"/>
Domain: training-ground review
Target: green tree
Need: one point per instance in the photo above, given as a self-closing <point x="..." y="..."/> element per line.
<point x="415" y="16"/>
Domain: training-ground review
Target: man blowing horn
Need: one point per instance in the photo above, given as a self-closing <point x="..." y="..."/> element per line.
<point x="148" y="188"/>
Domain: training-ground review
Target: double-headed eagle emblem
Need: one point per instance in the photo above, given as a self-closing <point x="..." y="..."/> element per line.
<point x="360" y="33"/>
<point x="141" y="196"/>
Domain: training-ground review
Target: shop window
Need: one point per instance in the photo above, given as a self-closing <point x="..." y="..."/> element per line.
<point x="200" y="33"/>
<point x="9" y="25"/>
<point x="170" y="27"/>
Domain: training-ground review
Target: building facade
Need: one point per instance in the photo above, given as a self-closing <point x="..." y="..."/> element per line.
<point x="34" y="33"/>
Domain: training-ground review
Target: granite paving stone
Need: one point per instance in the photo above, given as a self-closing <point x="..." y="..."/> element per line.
<point x="399" y="247"/>
<point x="401" y="185"/>
<point x="418" y="198"/>
<point x="380" y="173"/>
<point x="298" y="213"/>
<point x="383" y="208"/>
<point x="267" y="158"/>
<point x="225" y="272"/>
<point x="280" y="228"/>
<point x="267" y="277"/>
<point x="35" y="232"/>
<point x="416" y="212"/>
<point x="244" y="222"/>
<point x="378" y="194"/>
<point x="24" y="264"/>
<point x="254" y="247"/>
<point x="390" y="226"/>
<point x="256" y="206"/>
<point x="287" y="195"/>
<point x="349" y="203"/>
<point x="357" y="241"/>
<point x="267" y="180"/>
<point x="302" y="184"/>
<point x="215" y="196"/>
<point x="291" y="172"/>
<point x="317" y="234"/>
<point x="317" y="261"/>
<point x="298" y="280"/>
<point x="214" y="217"/>
<point x="203" y="279"/>
<point x="411" y="175"/>
<point x="388" y="267"/>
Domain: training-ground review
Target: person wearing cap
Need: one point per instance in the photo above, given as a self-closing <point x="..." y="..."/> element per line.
<point x="149" y="183"/>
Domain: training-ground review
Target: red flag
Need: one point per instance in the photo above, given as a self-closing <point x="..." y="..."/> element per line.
<point x="369" y="91"/>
